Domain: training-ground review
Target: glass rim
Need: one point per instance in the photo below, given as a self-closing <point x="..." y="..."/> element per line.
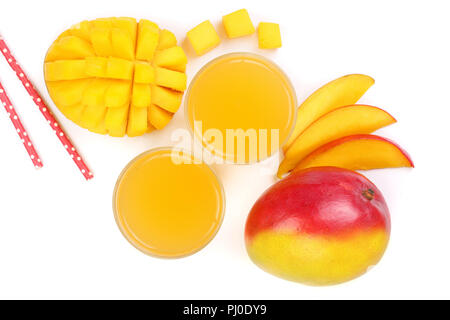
<point x="222" y="208"/>
<point x="203" y="68"/>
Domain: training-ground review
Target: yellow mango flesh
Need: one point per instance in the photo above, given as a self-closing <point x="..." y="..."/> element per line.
<point x="106" y="74"/>
<point x="269" y="36"/>
<point x="317" y="260"/>
<point x="357" y="153"/>
<point x="172" y="58"/>
<point x="167" y="99"/>
<point x="342" y="122"/>
<point x="141" y="96"/>
<point x="158" y="117"/>
<point x="166" y="40"/>
<point x="170" y="79"/>
<point x="137" y="124"/>
<point x="65" y="70"/>
<point x="343" y="91"/>
<point x="203" y="38"/>
<point x="68" y="93"/>
<point x="238" y="24"/>
<point x="144" y="73"/>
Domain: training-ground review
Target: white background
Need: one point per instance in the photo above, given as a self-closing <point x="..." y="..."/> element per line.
<point x="58" y="237"/>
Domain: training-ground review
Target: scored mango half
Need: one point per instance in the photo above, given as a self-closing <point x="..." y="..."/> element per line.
<point x="117" y="76"/>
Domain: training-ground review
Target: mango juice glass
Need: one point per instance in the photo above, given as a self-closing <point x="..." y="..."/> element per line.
<point x="242" y="107"/>
<point x="167" y="204"/>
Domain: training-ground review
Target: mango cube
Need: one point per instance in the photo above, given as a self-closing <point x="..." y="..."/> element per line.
<point x="119" y="69"/>
<point x="203" y="37"/>
<point x="73" y="113"/>
<point x="166" y="40"/>
<point x="70" y="48"/>
<point x="94" y="94"/>
<point x="65" y="70"/>
<point x="116" y="120"/>
<point x="82" y="30"/>
<point x="238" y="24"/>
<point x="269" y="35"/>
<point x="68" y="93"/>
<point x="141" y="96"/>
<point x="122" y="43"/>
<point x="170" y="79"/>
<point x="105" y="75"/>
<point x="137" y="122"/>
<point x="172" y="58"/>
<point x="92" y="116"/>
<point x="159" y="118"/>
<point x="101" y="41"/>
<point x="96" y="67"/>
<point x="118" y="94"/>
<point x="144" y="73"/>
<point x="148" y="39"/>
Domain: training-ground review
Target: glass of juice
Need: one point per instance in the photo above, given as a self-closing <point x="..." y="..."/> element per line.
<point x="168" y="204"/>
<point x="242" y="107"/>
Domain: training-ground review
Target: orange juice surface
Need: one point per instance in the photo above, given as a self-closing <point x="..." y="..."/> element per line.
<point x="168" y="209"/>
<point x="247" y="94"/>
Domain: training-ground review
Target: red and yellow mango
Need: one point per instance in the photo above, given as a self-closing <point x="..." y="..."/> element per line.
<point x="319" y="226"/>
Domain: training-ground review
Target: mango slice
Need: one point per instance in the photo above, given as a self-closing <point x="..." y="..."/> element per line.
<point x="116" y="76"/>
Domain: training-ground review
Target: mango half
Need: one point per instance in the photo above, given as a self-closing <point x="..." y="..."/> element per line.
<point x="116" y="76"/>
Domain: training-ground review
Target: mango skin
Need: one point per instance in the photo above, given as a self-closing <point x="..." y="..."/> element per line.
<point x="320" y="226"/>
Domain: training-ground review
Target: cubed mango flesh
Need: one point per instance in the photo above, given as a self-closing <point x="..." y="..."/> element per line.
<point x="116" y="76"/>
<point x="269" y="35"/>
<point x="144" y="73"/>
<point x="170" y="79"/>
<point x="238" y="24"/>
<point x="158" y="117"/>
<point x="65" y="70"/>
<point x="141" y="96"/>
<point x="172" y="58"/>
<point x="167" y="99"/>
<point x="166" y="40"/>
<point x="203" y="38"/>
<point x="137" y="121"/>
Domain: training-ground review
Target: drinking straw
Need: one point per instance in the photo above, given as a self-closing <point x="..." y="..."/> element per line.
<point x="14" y="117"/>
<point x="37" y="99"/>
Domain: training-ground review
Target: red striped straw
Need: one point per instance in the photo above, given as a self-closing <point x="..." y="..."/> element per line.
<point x="37" y="99"/>
<point x="23" y="135"/>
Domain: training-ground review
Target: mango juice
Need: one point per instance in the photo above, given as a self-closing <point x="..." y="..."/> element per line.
<point x="242" y="107"/>
<point x="167" y="204"/>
